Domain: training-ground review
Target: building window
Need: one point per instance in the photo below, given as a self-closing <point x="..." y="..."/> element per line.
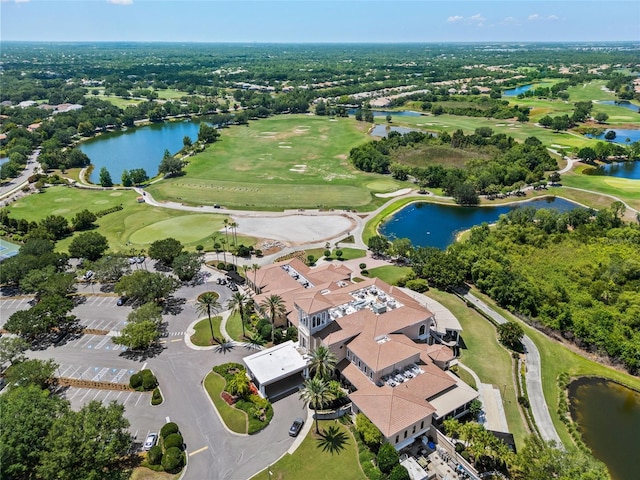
<point x="397" y="438"/>
<point x="423" y="329"/>
<point x="405" y="434"/>
<point x="421" y="425"/>
<point x="414" y="430"/>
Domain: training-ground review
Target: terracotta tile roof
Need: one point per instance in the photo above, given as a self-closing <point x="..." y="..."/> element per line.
<point x="440" y="353"/>
<point x="392" y="410"/>
<point x="380" y="355"/>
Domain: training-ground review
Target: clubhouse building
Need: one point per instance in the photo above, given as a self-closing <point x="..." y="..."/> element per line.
<point x="393" y="352"/>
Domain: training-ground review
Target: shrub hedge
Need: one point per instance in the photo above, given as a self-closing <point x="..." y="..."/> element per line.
<point x="168" y="429"/>
<point x="173" y="460"/>
<point x="174" y="440"/>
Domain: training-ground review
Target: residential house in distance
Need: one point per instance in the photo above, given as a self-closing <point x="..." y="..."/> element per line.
<point x="393" y="352"/>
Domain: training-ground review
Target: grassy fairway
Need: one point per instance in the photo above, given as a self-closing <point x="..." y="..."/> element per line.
<point x="310" y="462"/>
<point x="624" y="188"/>
<point x="288" y="161"/>
<point x="135" y="226"/>
<point x="389" y="273"/>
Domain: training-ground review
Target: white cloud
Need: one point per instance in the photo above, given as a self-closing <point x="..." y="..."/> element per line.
<point x="473" y="19"/>
<point x="540" y="18"/>
<point x="121" y="2"/>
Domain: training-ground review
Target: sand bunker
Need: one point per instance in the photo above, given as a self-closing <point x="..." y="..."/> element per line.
<point x="284" y="146"/>
<point x="295" y="228"/>
<point x="298" y="168"/>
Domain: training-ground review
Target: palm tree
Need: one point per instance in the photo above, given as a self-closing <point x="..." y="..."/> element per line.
<point x="255" y="267"/>
<point x="323" y="361"/>
<point x="237" y="303"/>
<point x="238" y="385"/>
<point x="234" y="227"/>
<point x="226" y="228"/>
<point x="207" y="303"/>
<point x="274" y="306"/>
<point x="316" y="394"/>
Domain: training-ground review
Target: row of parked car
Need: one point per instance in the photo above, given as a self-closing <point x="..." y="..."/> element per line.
<point x="223" y="281"/>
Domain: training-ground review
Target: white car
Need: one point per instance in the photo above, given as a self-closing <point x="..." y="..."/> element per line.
<point x="151" y="440"/>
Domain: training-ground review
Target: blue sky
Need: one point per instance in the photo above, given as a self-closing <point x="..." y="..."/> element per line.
<point x="306" y="21"/>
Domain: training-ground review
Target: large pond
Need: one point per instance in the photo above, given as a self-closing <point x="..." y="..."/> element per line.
<point x="620" y="103"/>
<point x="629" y="170"/>
<point x="434" y="225"/>
<point x="514" y="92"/>
<point x="608" y="416"/>
<point x="621" y="135"/>
<point x="141" y="147"/>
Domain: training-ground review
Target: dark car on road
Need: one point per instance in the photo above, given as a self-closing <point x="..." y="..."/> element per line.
<point x="121" y="301"/>
<point x="296" y="426"/>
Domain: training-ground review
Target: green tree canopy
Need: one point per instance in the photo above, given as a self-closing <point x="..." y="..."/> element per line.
<point x="139" y="335"/>
<point x="89" y="245"/>
<point x="143" y="286"/>
<point x="105" y="178"/>
<point x="187" y="265"/>
<point x="165" y="250"/>
<point x="31" y="372"/>
<point x="84" y="220"/>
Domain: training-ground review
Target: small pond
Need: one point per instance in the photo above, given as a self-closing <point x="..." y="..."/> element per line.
<point x="620" y="103"/>
<point x="141" y="147"/>
<point x="514" y="92"/>
<point x="434" y="225"/>
<point x="621" y="135"/>
<point x="608" y="416"/>
<point x="382" y="130"/>
<point x="629" y="170"/>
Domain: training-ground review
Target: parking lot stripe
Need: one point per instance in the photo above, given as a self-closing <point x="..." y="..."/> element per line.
<point x="62" y="374"/>
<point x="139" y="397"/>
<point x="87" y="393"/>
<point x="127" y="399"/>
<point x="191" y="454"/>
<point x="102" y="342"/>
<point x="176" y="340"/>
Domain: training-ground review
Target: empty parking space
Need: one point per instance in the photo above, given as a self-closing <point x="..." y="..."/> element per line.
<point x="9" y="306"/>
<point x="81" y="396"/>
<point x="96" y="373"/>
<point x="94" y="342"/>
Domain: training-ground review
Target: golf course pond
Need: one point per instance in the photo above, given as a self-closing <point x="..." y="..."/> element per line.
<point x="608" y="417"/>
<point x="514" y="92"/>
<point x="622" y="135"/>
<point x="630" y="170"/>
<point x="620" y="103"/>
<point x="141" y="147"/>
<point x="436" y="225"/>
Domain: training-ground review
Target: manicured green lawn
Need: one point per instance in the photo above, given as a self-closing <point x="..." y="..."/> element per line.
<point x="202" y="337"/>
<point x="556" y="358"/>
<point x="234" y="419"/>
<point x="286" y="161"/>
<point x="234" y="327"/>
<point x="135" y="226"/>
<point x="484" y="355"/>
<point x="310" y="462"/>
<point x="389" y="273"/>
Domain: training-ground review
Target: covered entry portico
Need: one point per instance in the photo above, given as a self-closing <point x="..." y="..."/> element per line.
<point x="277" y="370"/>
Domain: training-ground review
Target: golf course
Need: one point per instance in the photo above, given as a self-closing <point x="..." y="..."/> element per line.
<point x="286" y="161"/>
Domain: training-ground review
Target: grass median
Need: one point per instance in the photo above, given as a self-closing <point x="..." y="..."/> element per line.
<point x="202" y="337"/>
<point x="234" y="419"/>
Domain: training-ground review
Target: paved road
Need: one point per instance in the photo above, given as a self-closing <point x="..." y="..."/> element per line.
<point x="9" y="188"/>
<point x="533" y="375"/>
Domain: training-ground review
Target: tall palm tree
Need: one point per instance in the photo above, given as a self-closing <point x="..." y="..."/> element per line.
<point x="316" y="394"/>
<point x="226" y="229"/>
<point x="234" y="230"/>
<point x="323" y="361"/>
<point x="274" y="306"/>
<point x="237" y="303"/>
<point x="255" y="267"/>
<point x="208" y="303"/>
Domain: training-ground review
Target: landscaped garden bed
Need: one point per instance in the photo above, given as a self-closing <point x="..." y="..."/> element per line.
<point x="237" y="399"/>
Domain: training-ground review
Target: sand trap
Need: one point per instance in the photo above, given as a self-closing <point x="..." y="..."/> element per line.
<point x="501" y="124"/>
<point x="301" y="129"/>
<point x="298" y="168"/>
<point x="559" y="146"/>
<point x="397" y="193"/>
<point x="284" y="146"/>
<point x="333" y="120"/>
<point x="301" y="228"/>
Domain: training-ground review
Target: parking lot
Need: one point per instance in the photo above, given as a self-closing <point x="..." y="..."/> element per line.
<point x="96" y="373"/>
